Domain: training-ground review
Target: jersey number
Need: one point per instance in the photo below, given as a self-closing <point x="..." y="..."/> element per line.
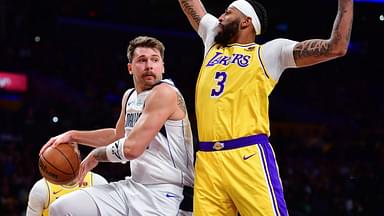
<point x="220" y="77"/>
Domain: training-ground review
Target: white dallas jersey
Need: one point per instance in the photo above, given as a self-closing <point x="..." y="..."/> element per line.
<point x="169" y="157"/>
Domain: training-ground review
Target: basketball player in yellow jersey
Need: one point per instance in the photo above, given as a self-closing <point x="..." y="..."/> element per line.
<point x="43" y="193"/>
<point x="236" y="169"/>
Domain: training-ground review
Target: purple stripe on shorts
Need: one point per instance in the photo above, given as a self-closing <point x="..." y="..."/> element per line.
<point x="274" y="179"/>
<point x="233" y="144"/>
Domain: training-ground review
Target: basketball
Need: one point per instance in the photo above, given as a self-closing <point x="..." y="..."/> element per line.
<point x="60" y="164"/>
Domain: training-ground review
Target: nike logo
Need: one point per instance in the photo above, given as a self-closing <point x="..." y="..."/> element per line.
<point x="56" y="192"/>
<point x="169" y="195"/>
<point x="246" y="157"/>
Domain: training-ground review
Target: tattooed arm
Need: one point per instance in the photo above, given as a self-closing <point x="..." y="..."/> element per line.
<point x="314" y="51"/>
<point x="194" y="10"/>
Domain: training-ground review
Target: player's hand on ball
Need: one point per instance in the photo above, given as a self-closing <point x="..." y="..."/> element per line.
<point x="55" y="141"/>
<point x="87" y="165"/>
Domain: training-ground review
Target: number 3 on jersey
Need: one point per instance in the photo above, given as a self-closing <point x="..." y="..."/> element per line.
<point x="220" y="77"/>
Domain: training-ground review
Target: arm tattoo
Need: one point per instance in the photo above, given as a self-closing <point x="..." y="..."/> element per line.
<point x="101" y="154"/>
<point x="188" y="8"/>
<point x="181" y="103"/>
<point x="311" y="48"/>
<point x="338" y="42"/>
<point x="344" y="10"/>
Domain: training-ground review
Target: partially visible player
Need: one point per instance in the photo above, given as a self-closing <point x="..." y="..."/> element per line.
<point x="153" y="132"/>
<point x="43" y="193"/>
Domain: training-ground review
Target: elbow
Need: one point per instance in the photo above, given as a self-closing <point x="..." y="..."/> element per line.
<point x="338" y="49"/>
<point x="341" y="52"/>
<point x="132" y="153"/>
<point x="337" y="53"/>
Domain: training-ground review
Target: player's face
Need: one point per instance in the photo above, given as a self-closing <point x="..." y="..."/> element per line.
<point x="228" y="26"/>
<point x="147" y="67"/>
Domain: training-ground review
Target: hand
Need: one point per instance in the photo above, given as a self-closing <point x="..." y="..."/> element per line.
<point x="87" y="165"/>
<point x="55" y="141"/>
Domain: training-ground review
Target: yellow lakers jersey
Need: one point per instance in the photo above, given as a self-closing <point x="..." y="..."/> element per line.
<point x="232" y="93"/>
<point x="56" y="191"/>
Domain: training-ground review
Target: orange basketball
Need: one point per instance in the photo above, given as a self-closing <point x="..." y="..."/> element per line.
<point x="60" y="165"/>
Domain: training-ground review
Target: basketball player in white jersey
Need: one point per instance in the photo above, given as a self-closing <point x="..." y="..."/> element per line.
<point x="153" y="133"/>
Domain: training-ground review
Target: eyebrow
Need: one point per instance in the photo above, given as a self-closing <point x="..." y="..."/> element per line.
<point x="154" y="55"/>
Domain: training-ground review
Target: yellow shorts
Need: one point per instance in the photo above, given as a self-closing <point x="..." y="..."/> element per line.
<point x="244" y="180"/>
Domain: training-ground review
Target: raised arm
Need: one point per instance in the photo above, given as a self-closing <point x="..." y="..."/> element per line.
<point x="314" y="51"/>
<point x="194" y="10"/>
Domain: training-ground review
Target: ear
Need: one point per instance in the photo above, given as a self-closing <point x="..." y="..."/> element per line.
<point x="130" y="68"/>
<point x="247" y="21"/>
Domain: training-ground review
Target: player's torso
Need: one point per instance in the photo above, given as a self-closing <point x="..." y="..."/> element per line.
<point x="56" y="191"/>
<point x="232" y="93"/>
<point x="169" y="156"/>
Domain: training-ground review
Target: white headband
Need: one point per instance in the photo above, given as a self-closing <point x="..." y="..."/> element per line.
<point x="247" y="9"/>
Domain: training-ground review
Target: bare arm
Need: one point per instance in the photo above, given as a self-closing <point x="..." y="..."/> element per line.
<point x="160" y="106"/>
<point x="163" y="104"/>
<point x="194" y="10"/>
<point x="314" y="51"/>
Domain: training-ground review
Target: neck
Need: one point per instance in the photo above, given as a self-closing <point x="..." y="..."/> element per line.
<point x="244" y="38"/>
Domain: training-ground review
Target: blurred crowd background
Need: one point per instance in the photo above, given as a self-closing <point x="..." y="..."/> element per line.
<point x="326" y="120"/>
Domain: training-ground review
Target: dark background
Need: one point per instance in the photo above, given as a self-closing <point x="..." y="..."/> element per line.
<point x="326" y="120"/>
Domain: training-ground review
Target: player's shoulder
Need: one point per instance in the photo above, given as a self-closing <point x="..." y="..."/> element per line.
<point x="40" y="186"/>
<point x="128" y="92"/>
<point x="165" y="86"/>
<point x="40" y="182"/>
<point x="277" y="43"/>
<point x="163" y="93"/>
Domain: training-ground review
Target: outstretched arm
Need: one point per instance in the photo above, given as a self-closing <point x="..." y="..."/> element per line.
<point x="314" y="51"/>
<point x="194" y="10"/>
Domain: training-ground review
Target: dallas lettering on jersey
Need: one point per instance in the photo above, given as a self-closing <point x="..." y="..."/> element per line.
<point x="239" y="59"/>
<point x="132" y="119"/>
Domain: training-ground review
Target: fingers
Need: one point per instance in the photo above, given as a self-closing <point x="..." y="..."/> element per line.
<point x="87" y="165"/>
<point x="55" y="141"/>
<point x="82" y="173"/>
<point x="58" y="140"/>
<point x="46" y="145"/>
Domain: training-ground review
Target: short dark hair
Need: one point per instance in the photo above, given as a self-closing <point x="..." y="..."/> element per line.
<point x="144" y="41"/>
<point x="261" y="13"/>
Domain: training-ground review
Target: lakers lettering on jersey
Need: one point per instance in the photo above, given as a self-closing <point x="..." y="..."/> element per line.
<point x="232" y="93"/>
<point x="56" y="191"/>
